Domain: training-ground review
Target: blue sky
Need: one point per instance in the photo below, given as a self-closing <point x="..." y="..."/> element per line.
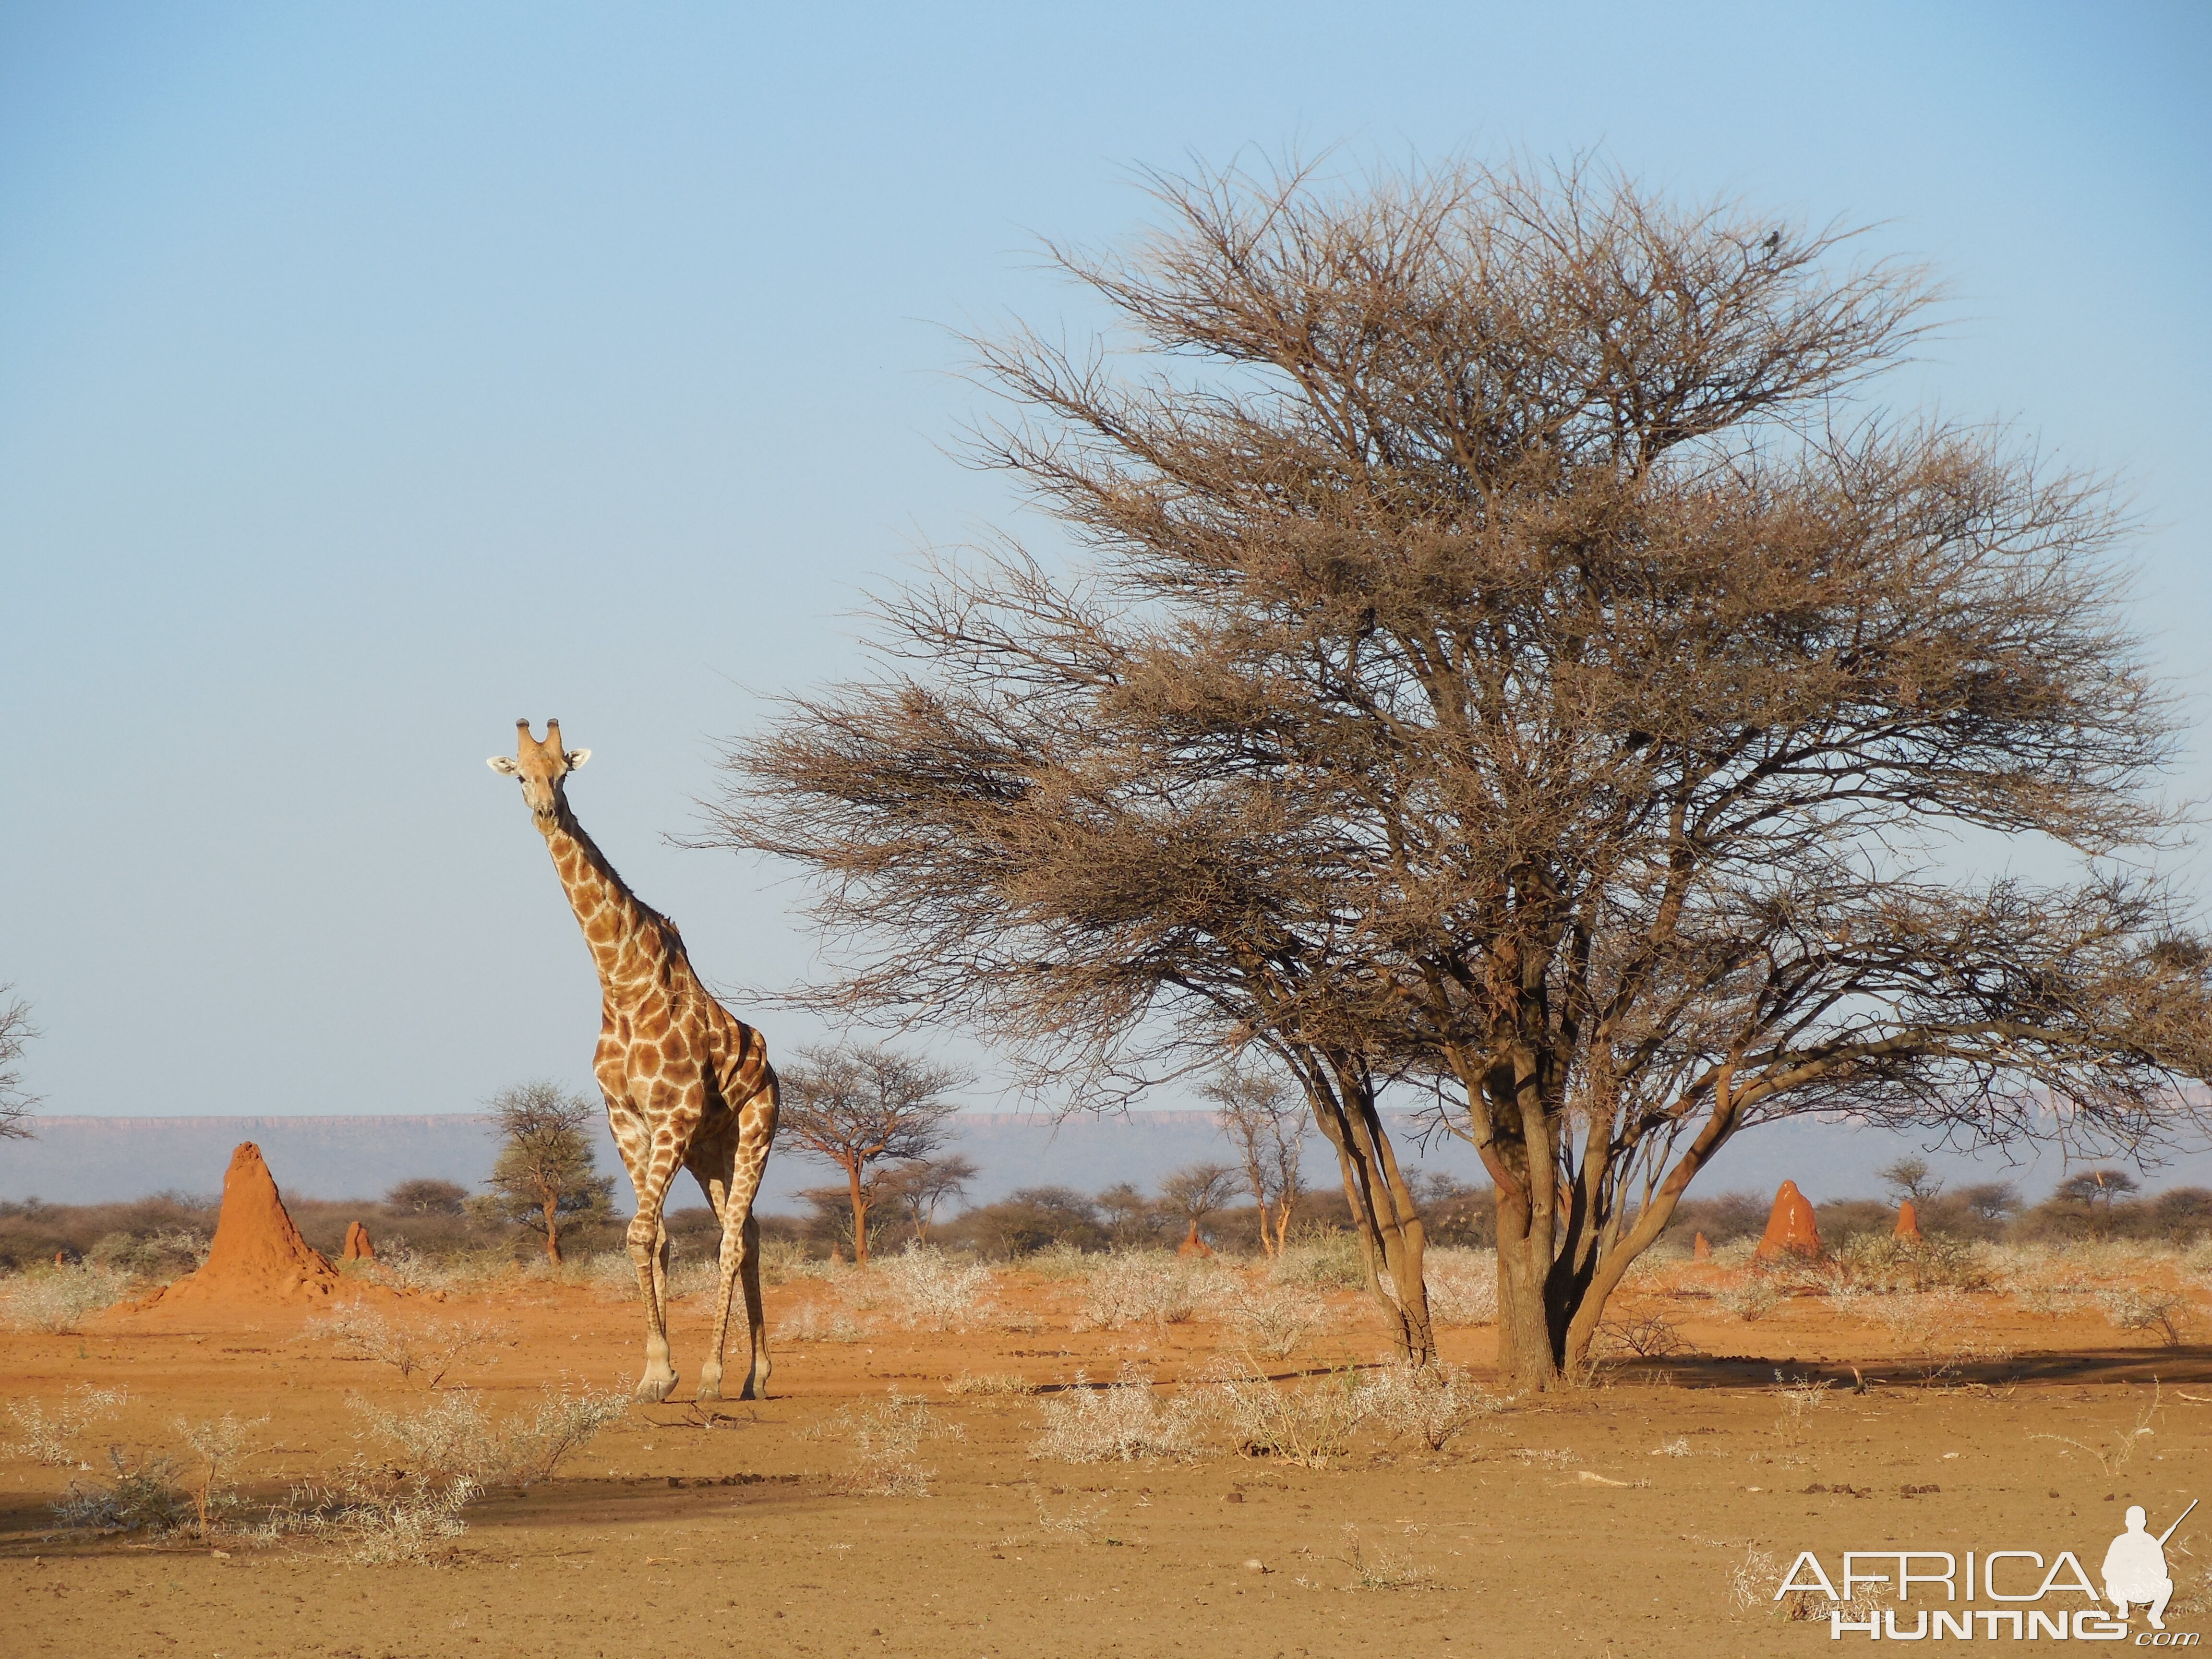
<point x="370" y="376"/>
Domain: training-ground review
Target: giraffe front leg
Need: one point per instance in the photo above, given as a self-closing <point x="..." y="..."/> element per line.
<point x="646" y="1242"/>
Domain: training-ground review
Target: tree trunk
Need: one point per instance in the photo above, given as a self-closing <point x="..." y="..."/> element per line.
<point x="1391" y="1238"/>
<point x="553" y="1230"/>
<point x="859" y="1196"/>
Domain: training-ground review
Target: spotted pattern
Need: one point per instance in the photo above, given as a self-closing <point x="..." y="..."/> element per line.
<point x="688" y="1086"/>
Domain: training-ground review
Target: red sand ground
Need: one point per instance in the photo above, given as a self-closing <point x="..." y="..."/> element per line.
<point x="1605" y="1522"/>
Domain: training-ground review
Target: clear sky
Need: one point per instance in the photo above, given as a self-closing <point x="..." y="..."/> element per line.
<point x="371" y="375"/>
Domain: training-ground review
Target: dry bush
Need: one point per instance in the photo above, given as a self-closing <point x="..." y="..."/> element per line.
<point x="59" y="1299"/>
<point x="2117" y="1449"/>
<point x="783" y="1259"/>
<point x="1646" y="1335"/>
<point x="1121" y="1422"/>
<point x="140" y="1493"/>
<point x="164" y="1254"/>
<point x="1434" y="1403"/>
<point x="374" y="1518"/>
<point x="1322" y="1260"/>
<point x="614" y="1276"/>
<point x="821" y="1322"/>
<point x="221" y="1448"/>
<point x="1146" y="1286"/>
<point x="53" y="1440"/>
<point x="1060" y="1260"/>
<point x="427" y="1349"/>
<point x="1463" y="1286"/>
<point x="1749" y="1298"/>
<point x="2147" y="1308"/>
<point x="1936" y="1331"/>
<point x="463" y="1273"/>
<point x="992" y="1385"/>
<point x="451" y="1437"/>
<point x="923" y="1288"/>
<point x="886" y="1440"/>
<point x="1376" y="1568"/>
<point x="1310" y="1425"/>
<point x="1277" y="1317"/>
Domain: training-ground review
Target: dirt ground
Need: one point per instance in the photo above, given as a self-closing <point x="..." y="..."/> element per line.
<point x="1607" y="1522"/>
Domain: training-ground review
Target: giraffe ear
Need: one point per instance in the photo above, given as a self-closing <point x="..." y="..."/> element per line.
<point x="506" y="765"/>
<point x="576" y="758"/>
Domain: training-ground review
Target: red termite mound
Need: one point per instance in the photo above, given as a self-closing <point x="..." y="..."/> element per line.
<point x="1908" y="1222"/>
<point x="357" y="1246"/>
<point x="1700" y="1251"/>
<point x="1789" y="1228"/>
<point x="257" y="1254"/>
<point x="1194" y="1245"/>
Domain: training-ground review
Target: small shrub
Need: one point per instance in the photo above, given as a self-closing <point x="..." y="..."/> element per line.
<point x="451" y="1437"/>
<point x="1648" y="1336"/>
<point x="929" y="1290"/>
<point x="991" y="1386"/>
<point x="886" y="1441"/>
<point x="59" y="1299"/>
<point x="425" y="1350"/>
<point x="53" y="1440"/>
<point x="1063" y="1261"/>
<point x="1150" y="1286"/>
<point x="1432" y="1403"/>
<point x="375" y="1518"/>
<point x="1122" y="1422"/>
<point x="2146" y="1308"/>
<point x="1375" y="1568"/>
<point x="1936" y="1330"/>
<point x="1322" y="1260"/>
<point x="1311" y="1426"/>
<point x="1463" y="1286"/>
<point x="1278" y="1317"/>
<point x="221" y="1448"/>
<point x="1750" y="1298"/>
<point x="816" y="1321"/>
<point x="141" y="1494"/>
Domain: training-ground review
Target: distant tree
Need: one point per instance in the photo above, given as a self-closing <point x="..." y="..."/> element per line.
<point x="1908" y="1179"/>
<point x="2097" y="1189"/>
<point x="920" y="1187"/>
<point x="861" y="1107"/>
<point x="546" y="1170"/>
<point x="1991" y="1200"/>
<point x="1266" y="1124"/>
<point x="1130" y="1217"/>
<point x="1031" y="1218"/>
<point x="427" y="1196"/>
<point x="1196" y="1192"/>
<point x="15" y="1106"/>
<point x="830" y="1219"/>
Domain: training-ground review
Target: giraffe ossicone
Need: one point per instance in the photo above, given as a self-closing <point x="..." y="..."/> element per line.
<point x="688" y="1084"/>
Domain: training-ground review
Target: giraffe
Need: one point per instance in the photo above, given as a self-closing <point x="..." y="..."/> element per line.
<point x="688" y="1086"/>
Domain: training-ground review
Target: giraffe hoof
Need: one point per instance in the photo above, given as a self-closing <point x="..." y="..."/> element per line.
<point x="653" y="1391"/>
<point x="710" y="1387"/>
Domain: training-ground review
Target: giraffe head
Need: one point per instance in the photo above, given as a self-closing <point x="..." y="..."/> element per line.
<point x="541" y="766"/>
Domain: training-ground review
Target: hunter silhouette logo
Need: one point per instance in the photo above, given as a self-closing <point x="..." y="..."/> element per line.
<point x="2028" y="1593"/>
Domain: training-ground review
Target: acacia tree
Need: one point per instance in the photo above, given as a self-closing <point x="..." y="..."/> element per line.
<point x="860" y="1108"/>
<point x="919" y="1188"/>
<point x="15" y="1031"/>
<point x="1196" y="1192"/>
<point x="546" y="1170"/>
<point x="1514" y="661"/>
<point x="1267" y="1131"/>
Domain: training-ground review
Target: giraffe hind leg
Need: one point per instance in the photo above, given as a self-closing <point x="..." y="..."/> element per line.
<point x="648" y="1254"/>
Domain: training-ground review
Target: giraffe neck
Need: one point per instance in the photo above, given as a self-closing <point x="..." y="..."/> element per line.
<point x="632" y="944"/>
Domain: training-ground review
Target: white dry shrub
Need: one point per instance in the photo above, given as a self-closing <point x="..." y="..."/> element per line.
<point x="1736" y="1253"/>
<point x="614" y="1276"/>
<point x="53" y="1440"/>
<point x="782" y="1260"/>
<point x="991" y="1384"/>
<point x="1309" y="1426"/>
<point x="1752" y="1579"/>
<point x="1463" y="1286"/>
<point x="1432" y="1403"/>
<point x="1120" y="1422"/>
<point x="421" y="1350"/>
<point x="220" y="1448"/>
<point x="374" y="1518"/>
<point x="1329" y="1259"/>
<point x="451" y="1437"/>
<point x="140" y="1493"/>
<point x="1277" y="1318"/>
<point x="1936" y="1330"/>
<point x="1751" y="1298"/>
<point x="463" y="1273"/>
<point x="1144" y="1286"/>
<point x="1063" y="1260"/>
<point x="2146" y="1307"/>
<point x="166" y="1254"/>
<point x="821" y="1322"/>
<point x="57" y="1299"/>
<point x="925" y="1289"/>
<point x="886" y="1441"/>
